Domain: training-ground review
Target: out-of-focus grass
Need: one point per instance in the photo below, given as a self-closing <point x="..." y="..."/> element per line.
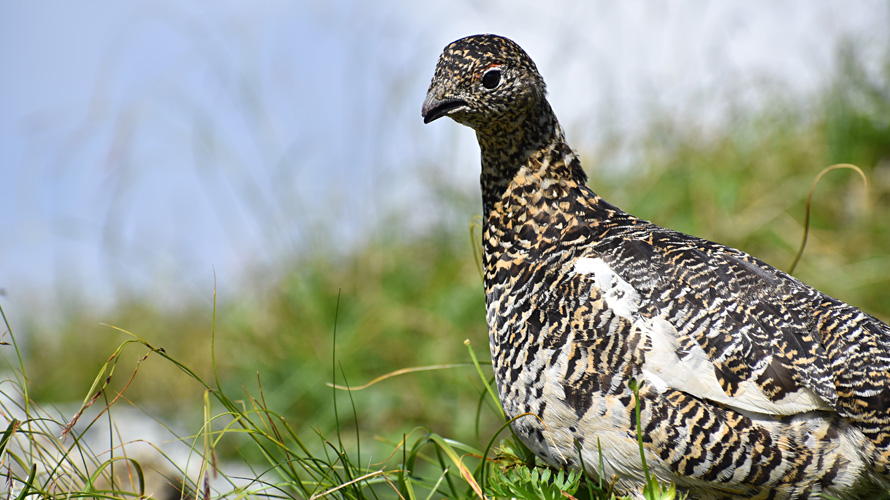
<point x="399" y="307"/>
<point x="413" y="304"/>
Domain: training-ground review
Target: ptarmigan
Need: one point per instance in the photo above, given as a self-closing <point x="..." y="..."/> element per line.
<point x="754" y="385"/>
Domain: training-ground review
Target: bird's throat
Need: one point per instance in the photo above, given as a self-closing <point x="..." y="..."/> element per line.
<point x="508" y="145"/>
<point x="524" y="152"/>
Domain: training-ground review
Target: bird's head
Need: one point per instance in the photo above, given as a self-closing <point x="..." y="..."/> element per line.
<point x="486" y="82"/>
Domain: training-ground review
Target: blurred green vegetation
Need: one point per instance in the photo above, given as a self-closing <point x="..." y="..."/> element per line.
<point x="398" y="307"/>
<point x="413" y="303"/>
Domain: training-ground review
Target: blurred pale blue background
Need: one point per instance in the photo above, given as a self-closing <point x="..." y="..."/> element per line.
<point x="146" y="145"/>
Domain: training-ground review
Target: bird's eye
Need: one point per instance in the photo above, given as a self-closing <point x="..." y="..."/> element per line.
<point x="491" y="78"/>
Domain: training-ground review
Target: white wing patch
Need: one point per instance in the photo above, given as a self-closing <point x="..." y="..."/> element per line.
<point x="692" y="372"/>
<point x="620" y="296"/>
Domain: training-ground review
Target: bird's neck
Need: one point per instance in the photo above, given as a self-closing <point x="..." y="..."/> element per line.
<point x="529" y="150"/>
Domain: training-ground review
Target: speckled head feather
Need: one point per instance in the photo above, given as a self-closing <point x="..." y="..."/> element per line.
<point x="488" y="83"/>
<point x="481" y="80"/>
<point x="755" y="385"/>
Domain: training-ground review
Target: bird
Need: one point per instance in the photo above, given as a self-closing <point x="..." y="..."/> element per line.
<point x="751" y="384"/>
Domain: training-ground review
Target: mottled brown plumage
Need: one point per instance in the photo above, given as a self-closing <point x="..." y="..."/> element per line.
<point x="755" y="385"/>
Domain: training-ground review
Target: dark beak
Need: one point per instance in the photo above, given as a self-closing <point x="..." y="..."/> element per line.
<point x="435" y="108"/>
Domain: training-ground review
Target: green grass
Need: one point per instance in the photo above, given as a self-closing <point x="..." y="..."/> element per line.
<point x="48" y="456"/>
<point x="262" y="398"/>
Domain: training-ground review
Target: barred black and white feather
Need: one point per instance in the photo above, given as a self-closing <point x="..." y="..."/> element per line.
<point x="755" y="384"/>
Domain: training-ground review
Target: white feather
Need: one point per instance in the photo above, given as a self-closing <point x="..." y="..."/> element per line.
<point x="620" y="296"/>
<point x="694" y="372"/>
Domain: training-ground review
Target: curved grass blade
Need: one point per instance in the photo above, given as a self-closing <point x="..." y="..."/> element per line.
<point x="806" y="223"/>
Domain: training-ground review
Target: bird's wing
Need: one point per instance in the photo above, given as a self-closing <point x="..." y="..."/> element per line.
<point x="718" y="324"/>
